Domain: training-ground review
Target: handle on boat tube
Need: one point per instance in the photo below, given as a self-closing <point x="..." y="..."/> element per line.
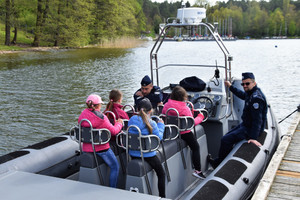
<point x="73" y="130"/>
<point x="168" y="132"/>
<point x="120" y="141"/>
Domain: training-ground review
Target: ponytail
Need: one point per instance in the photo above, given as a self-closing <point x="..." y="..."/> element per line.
<point x="145" y="119"/>
<point x="109" y="106"/>
<point x="114" y="96"/>
<point x="91" y="105"/>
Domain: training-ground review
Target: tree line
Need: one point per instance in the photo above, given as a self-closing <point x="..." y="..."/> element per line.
<point x="259" y="18"/>
<point x="82" y="22"/>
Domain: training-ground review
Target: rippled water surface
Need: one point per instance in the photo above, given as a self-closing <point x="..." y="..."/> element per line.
<point x="43" y="93"/>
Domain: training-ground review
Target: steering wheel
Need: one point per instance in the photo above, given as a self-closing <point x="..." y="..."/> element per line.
<point x="204" y="103"/>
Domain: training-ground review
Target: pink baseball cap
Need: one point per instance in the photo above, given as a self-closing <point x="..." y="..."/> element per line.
<point x="96" y="99"/>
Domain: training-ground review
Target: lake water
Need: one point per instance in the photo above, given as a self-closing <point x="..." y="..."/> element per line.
<point x="43" y="93"/>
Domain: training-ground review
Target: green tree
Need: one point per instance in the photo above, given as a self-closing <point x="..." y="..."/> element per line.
<point x="65" y="25"/>
<point x="39" y="24"/>
<point x="7" y="21"/>
<point x="292" y="28"/>
<point x="257" y="20"/>
<point x="157" y="21"/>
<point x="276" y="22"/>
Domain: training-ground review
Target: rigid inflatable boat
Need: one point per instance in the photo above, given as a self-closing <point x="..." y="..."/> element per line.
<point x="57" y="168"/>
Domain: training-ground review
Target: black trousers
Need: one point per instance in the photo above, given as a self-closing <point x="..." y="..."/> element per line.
<point x="191" y="141"/>
<point x="155" y="163"/>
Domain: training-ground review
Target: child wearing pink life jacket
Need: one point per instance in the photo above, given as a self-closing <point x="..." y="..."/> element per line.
<point x="114" y="105"/>
<point x="177" y="100"/>
<point x="98" y="121"/>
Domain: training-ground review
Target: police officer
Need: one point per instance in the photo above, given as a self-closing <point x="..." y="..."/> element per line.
<point x="153" y="93"/>
<point x="253" y="118"/>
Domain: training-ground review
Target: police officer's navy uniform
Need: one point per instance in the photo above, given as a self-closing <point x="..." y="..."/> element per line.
<point x="254" y="119"/>
<point x="155" y="96"/>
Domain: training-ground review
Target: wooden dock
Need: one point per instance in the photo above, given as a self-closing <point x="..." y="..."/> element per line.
<point x="282" y="177"/>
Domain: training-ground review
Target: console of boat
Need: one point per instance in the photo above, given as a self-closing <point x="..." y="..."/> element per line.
<point x="57" y="168"/>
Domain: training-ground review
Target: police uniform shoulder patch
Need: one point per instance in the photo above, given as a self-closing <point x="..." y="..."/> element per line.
<point x="256" y="105"/>
<point x="156" y="90"/>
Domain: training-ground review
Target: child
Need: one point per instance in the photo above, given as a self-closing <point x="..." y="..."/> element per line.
<point x="98" y="120"/>
<point x="177" y="100"/>
<point x="114" y="105"/>
<point x="148" y="126"/>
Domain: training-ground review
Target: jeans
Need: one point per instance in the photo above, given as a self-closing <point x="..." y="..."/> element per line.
<point x="111" y="160"/>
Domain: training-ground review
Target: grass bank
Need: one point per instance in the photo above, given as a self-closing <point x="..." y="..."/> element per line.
<point x="24" y="41"/>
<point x="123" y="42"/>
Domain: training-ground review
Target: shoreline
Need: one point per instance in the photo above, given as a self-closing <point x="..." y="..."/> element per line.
<point x="25" y="48"/>
<point x="29" y="49"/>
<point x="46" y="49"/>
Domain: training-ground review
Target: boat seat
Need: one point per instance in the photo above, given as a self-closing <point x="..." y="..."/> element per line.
<point x="158" y="109"/>
<point x="88" y="171"/>
<point x="125" y="124"/>
<point x="135" y="166"/>
<point x="184" y="123"/>
<point x="89" y="162"/>
<point x="100" y="136"/>
<point x="170" y="139"/>
<point x="171" y="132"/>
<point x="132" y="141"/>
<point x="111" y="116"/>
<point x="137" y="142"/>
<point x="130" y="112"/>
<point x="136" y="172"/>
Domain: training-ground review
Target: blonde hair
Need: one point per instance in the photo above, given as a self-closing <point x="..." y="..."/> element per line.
<point x="145" y="119"/>
<point x="144" y="106"/>
<point x="114" y="96"/>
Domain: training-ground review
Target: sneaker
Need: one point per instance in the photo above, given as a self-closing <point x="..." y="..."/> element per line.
<point x="198" y="174"/>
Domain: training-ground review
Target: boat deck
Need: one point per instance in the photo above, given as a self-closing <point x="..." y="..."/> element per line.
<point x="282" y="177"/>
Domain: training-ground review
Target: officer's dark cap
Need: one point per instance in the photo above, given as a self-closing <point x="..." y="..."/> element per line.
<point x="146" y="81"/>
<point x="144" y="104"/>
<point x="247" y="75"/>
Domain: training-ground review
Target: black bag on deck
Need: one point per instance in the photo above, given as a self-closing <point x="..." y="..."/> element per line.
<point x="193" y="84"/>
